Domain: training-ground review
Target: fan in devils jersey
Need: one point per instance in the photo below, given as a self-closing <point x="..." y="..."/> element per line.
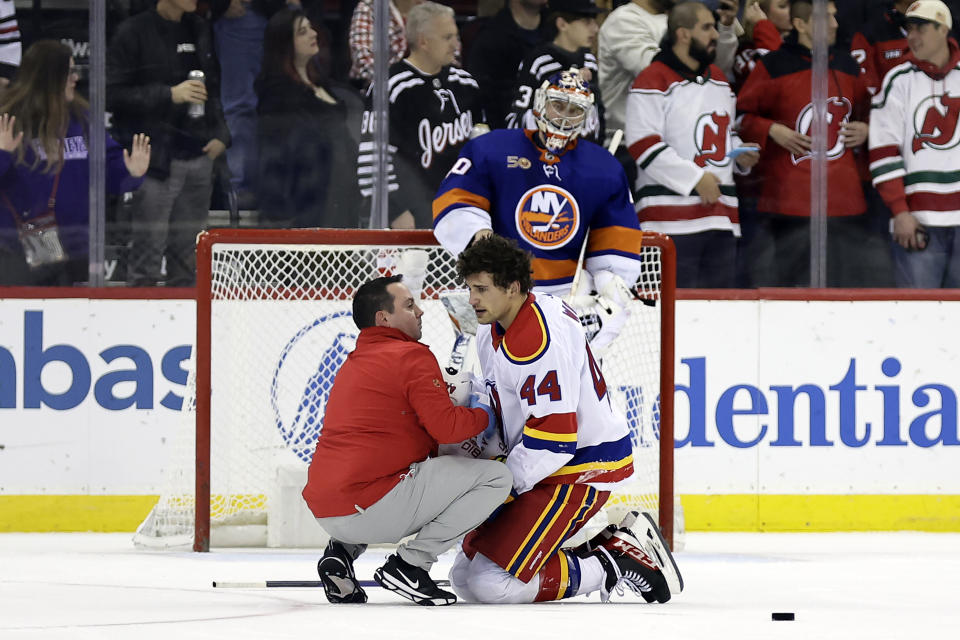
<point x="777" y="112"/>
<point x="568" y="447"/>
<point x="547" y="189"/>
<point x="433" y="108"/>
<point x="680" y="114"/>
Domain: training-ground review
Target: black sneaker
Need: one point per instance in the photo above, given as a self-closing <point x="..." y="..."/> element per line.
<point x="411" y="582"/>
<point x="336" y="572"/>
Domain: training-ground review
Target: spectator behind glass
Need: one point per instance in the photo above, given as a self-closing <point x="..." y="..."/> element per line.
<point x="499" y="48"/>
<point x="49" y="172"/>
<point x="361" y="38"/>
<point x="433" y="109"/>
<point x="307" y="152"/>
<point x="775" y="104"/>
<point x="238" y="27"/>
<point x="765" y="23"/>
<point x="148" y="88"/>
<point x="575" y="25"/>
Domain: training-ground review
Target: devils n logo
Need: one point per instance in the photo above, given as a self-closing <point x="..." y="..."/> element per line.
<point x="838" y="114"/>
<point x="935" y="123"/>
<point x="710" y="136"/>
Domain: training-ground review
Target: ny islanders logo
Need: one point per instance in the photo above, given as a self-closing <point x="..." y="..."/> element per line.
<point x="838" y="114"/>
<point x="303" y="378"/>
<point x="548" y="216"/>
<point x="935" y="123"/>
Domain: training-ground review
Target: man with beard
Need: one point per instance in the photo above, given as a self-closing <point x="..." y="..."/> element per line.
<point x="631" y="36"/>
<point x="685" y="182"/>
<point x="776" y="108"/>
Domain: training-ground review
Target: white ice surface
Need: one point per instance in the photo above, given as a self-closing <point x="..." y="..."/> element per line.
<point x="903" y="586"/>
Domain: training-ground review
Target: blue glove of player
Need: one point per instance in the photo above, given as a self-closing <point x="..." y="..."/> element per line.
<point x="476" y="402"/>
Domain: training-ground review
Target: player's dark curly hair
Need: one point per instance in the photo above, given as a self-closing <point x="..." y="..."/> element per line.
<point x="501" y="258"/>
<point x="372" y="297"/>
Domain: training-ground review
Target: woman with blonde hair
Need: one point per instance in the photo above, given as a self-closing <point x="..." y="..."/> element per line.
<point x="44" y="171"/>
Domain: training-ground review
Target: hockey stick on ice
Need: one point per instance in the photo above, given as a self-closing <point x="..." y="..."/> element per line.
<point x="612" y="148"/>
<point x="294" y="584"/>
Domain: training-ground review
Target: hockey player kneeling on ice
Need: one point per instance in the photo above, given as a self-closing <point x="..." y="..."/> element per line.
<point x="567" y="449"/>
<point x="375" y="476"/>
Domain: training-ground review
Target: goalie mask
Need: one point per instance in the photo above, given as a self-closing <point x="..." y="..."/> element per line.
<point x="561" y="106"/>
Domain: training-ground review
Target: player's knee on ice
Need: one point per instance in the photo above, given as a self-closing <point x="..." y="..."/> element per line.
<point x="490" y="584"/>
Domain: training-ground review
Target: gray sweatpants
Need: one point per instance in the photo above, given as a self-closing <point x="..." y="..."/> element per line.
<point x="440" y="500"/>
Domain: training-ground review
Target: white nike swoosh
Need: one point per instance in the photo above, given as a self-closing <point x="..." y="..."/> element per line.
<point x="413" y="583"/>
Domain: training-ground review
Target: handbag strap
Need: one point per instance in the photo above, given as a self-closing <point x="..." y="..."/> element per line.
<point x="51" y="201"/>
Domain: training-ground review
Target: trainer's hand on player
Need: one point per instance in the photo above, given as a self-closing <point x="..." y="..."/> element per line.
<point x="791" y="140"/>
<point x="905" y="227"/>
<point x="708" y="188"/>
<point x="854" y="133"/>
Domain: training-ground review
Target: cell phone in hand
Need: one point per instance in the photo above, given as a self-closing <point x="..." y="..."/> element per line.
<point x="923" y="238"/>
<point x="733" y="153"/>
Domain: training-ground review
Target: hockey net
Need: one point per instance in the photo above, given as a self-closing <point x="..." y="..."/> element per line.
<point x="273" y="327"/>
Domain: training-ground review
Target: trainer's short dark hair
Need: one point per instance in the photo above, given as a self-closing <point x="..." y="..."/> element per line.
<point x="372" y="297"/>
<point x="682" y="16"/>
<point x="501" y="258"/>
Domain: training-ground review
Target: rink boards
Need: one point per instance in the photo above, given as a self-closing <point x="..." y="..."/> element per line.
<point x="790" y="414"/>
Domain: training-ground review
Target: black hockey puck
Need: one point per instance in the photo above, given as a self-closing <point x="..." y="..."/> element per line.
<point x="787" y="615"/>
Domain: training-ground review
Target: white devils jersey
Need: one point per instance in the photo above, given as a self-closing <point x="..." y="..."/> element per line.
<point x="677" y="129"/>
<point x="914" y="137"/>
<point x="559" y="424"/>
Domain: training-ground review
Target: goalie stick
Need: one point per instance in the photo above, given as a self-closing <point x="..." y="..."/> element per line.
<point x="612" y="148"/>
<point x="294" y="584"/>
<point x="464" y="320"/>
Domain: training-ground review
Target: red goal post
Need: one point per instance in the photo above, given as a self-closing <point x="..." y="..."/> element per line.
<point x="276" y="271"/>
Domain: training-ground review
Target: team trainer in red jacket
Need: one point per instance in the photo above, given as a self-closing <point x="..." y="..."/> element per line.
<point x="375" y="477"/>
<point x="777" y="113"/>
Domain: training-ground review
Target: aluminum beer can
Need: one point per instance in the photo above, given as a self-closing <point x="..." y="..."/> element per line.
<point x="196" y="110"/>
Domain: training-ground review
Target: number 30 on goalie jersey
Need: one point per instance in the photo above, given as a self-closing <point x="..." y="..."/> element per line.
<point x="559" y="424"/>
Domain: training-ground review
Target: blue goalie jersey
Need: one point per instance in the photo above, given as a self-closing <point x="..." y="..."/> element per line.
<point x="505" y="182"/>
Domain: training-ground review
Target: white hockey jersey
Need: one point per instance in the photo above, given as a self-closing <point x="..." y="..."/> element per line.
<point x="678" y="127"/>
<point x="559" y="424"/>
<point x="915" y="139"/>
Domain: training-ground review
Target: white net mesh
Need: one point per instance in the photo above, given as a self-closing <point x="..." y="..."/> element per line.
<point x="281" y="327"/>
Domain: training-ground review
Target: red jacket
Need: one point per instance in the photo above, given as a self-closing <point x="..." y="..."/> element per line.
<point x="388" y="408"/>
<point x="778" y="90"/>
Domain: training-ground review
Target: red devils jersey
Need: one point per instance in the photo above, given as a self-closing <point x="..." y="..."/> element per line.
<point x="880" y="46"/>
<point x="766" y="38"/>
<point x="778" y="91"/>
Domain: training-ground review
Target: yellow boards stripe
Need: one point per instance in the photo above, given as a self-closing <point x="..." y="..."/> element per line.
<point x="51" y="513"/>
